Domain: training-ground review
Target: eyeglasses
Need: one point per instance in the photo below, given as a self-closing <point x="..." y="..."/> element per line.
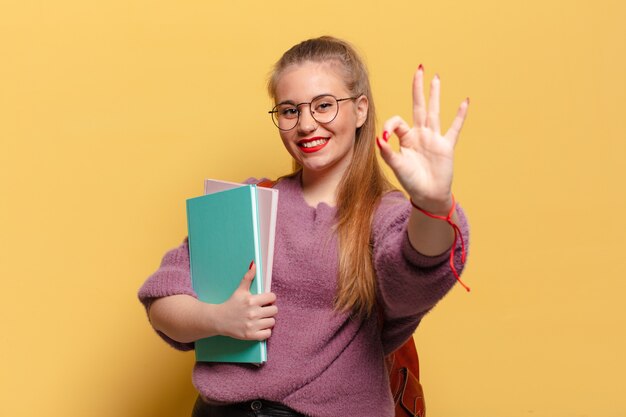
<point x="323" y="109"/>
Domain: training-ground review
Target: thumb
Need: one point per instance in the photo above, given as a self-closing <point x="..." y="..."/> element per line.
<point x="248" y="278"/>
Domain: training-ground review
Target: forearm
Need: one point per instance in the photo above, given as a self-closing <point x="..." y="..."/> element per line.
<point x="184" y="318"/>
<point x="429" y="236"/>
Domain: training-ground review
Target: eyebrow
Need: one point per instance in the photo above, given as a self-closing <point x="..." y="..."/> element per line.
<point x="294" y="103"/>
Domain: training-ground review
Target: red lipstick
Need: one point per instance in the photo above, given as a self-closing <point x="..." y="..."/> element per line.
<point x="314" y="144"/>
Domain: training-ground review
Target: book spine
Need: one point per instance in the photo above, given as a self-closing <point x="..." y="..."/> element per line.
<point x="258" y="259"/>
<point x="258" y="278"/>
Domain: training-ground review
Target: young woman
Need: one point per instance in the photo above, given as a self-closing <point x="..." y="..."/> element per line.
<point x="349" y="250"/>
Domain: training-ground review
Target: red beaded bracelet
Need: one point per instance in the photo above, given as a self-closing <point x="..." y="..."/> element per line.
<point x="457" y="232"/>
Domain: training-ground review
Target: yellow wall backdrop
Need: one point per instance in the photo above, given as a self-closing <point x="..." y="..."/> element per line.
<point x="112" y="114"/>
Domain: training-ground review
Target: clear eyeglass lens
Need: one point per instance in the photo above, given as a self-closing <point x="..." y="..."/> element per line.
<point x="323" y="109"/>
<point x="287" y="111"/>
<point x="285" y="116"/>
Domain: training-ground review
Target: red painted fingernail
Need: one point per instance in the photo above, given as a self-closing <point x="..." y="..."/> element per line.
<point x="386" y="136"/>
<point x="421" y="67"/>
<point x="378" y="143"/>
<point x="251" y="263"/>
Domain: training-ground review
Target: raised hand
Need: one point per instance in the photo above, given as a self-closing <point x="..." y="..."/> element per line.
<point x="424" y="163"/>
<point x="247" y="316"/>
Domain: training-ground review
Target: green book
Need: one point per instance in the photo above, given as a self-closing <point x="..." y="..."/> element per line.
<point x="223" y="238"/>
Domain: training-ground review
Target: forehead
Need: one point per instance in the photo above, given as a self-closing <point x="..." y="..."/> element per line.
<point x="302" y="82"/>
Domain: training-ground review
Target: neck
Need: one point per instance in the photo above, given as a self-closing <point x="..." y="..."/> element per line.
<point x="320" y="187"/>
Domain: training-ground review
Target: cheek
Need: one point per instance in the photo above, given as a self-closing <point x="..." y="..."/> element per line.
<point x="288" y="143"/>
<point x="347" y="126"/>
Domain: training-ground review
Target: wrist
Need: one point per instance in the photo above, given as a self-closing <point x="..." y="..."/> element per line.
<point x="448" y="218"/>
<point x="210" y="314"/>
<point x="440" y="207"/>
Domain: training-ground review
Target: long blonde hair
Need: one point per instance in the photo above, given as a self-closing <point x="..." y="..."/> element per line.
<point x="363" y="183"/>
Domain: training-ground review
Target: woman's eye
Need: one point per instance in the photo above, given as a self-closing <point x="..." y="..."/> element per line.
<point x="324" y="106"/>
<point x="289" y="112"/>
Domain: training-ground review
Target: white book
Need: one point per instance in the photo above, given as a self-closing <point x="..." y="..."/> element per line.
<point x="267" y="201"/>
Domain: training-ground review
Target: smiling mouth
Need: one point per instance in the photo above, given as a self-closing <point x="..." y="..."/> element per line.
<point x="313" y="143"/>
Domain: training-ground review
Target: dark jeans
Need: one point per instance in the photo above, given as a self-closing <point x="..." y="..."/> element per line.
<point x="257" y="408"/>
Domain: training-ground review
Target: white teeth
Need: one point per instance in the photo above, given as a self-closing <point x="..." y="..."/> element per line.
<point x="314" y="143"/>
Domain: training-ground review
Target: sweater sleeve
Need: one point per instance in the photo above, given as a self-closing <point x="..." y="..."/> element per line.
<point x="173" y="277"/>
<point x="409" y="283"/>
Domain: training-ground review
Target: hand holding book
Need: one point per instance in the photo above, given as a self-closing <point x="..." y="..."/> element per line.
<point x="247" y="316"/>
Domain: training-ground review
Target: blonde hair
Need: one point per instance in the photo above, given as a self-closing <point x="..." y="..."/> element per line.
<point x="363" y="183"/>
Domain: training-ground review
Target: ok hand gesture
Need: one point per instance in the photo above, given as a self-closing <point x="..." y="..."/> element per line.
<point x="424" y="164"/>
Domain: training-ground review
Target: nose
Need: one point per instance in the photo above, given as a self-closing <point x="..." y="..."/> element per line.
<point x="306" y="122"/>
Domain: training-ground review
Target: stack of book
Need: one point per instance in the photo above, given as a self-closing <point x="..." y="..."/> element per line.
<point x="229" y="226"/>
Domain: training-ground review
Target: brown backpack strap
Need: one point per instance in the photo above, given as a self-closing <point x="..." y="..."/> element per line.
<point x="403" y="369"/>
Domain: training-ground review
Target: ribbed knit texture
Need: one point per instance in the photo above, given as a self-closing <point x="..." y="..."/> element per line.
<point x="320" y="362"/>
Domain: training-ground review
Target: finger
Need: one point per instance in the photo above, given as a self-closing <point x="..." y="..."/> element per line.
<point x="387" y="153"/>
<point x="263" y="334"/>
<point x="268" y="311"/>
<point x="419" y="102"/>
<point x="248" y="278"/>
<point x="267" y="323"/>
<point x="398" y="126"/>
<point x="432" y="120"/>
<point x="457" y="124"/>
<point x="266" y="298"/>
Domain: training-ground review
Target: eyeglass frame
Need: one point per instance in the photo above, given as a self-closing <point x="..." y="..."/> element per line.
<point x="297" y="106"/>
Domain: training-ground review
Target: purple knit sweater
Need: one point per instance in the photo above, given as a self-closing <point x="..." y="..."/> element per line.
<point x="320" y="362"/>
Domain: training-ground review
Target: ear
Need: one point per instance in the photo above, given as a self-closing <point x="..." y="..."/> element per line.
<point x="362" y="106"/>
